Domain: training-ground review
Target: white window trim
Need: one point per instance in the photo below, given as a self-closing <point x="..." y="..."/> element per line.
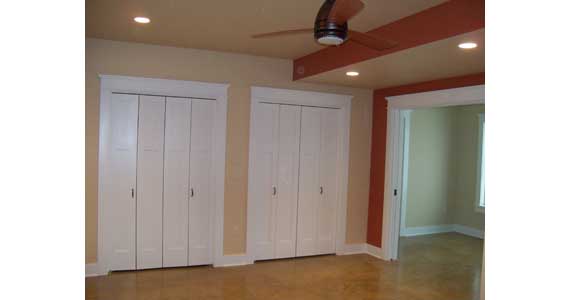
<point x="162" y="87"/>
<point x="480" y="162"/>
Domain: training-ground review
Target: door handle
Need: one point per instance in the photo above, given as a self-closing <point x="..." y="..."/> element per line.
<point x="321" y="190"/>
<point x="133" y="193"/>
<point x="191" y="192"/>
<point x="274" y="190"/>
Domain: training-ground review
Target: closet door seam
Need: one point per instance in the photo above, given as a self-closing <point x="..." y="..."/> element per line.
<point x="163" y="166"/>
<point x="137" y="182"/>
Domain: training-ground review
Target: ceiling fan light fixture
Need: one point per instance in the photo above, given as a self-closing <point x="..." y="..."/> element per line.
<point x="330" y="40"/>
<point x="331" y="27"/>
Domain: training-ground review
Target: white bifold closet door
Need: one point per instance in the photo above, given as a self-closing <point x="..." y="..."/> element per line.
<point x="122" y="179"/>
<point x="188" y="193"/>
<point x="150" y="158"/>
<point x="201" y="203"/>
<point x="176" y="181"/>
<point x="285" y="204"/>
<point x="160" y="182"/>
<point x="318" y="181"/>
<point x="276" y="179"/>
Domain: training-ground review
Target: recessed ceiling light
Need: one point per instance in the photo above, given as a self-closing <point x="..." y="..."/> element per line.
<point x="467" y="45"/>
<point x="142" y="20"/>
<point x="352" y="73"/>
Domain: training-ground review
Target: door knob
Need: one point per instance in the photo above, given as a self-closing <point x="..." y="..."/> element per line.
<point x="274" y="190"/>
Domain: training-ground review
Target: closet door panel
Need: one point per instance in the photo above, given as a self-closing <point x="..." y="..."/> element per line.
<point x="265" y="156"/>
<point x="122" y="182"/>
<point x="328" y="200"/>
<point x="201" y="188"/>
<point x="309" y="181"/>
<point x="176" y="182"/>
<point x="150" y="181"/>
<point x="287" y="181"/>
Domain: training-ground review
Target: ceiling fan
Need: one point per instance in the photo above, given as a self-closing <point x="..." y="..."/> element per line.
<point x="331" y="27"/>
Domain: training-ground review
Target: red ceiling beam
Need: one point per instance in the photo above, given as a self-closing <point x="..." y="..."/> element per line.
<point x="449" y="19"/>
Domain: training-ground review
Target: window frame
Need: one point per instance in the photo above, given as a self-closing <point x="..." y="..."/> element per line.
<point x="480" y="187"/>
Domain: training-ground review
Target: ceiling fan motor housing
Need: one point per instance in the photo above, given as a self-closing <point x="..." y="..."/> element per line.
<point x="326" y="32"/>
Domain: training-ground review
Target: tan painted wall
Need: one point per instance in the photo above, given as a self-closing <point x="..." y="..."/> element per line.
<point x="442" y="173"/>
<point x="241" y="72"/>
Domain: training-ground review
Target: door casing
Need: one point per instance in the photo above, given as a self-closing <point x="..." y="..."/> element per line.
<point x="169" y="88"/>
<point x="303" y="98"/>
<point x="398" y="106"/>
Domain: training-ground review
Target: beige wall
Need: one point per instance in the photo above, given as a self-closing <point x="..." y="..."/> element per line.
<point x="241" y="72"/>
<point x="442" y="172"/>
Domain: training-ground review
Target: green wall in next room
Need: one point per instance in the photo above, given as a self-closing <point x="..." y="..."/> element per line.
<point x="442" y="172"/>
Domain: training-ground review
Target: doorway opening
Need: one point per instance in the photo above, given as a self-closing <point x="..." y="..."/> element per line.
<point x="464" y="108"/>
<point x="442" y="219"/>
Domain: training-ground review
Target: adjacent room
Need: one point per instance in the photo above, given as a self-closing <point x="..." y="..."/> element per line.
<point x="444" y="171"/>
<point x="443" y="201"/>
<point x="265" y="149"/>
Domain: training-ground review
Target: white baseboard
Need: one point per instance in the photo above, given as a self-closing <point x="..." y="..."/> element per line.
<point x="353" y="249"/>
<point x="415" y="231"/>
<point x="363" y="249"/>
<point x="91" y="270"/>
<point x="469" y="231"/>
<point x="375" y="251"/>
<point x="233" y="260"/>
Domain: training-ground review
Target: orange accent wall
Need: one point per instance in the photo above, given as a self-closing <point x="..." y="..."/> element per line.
<point x="379" y="131"/>
<point x="377" y="162"/>
<point x="436" y="23"/>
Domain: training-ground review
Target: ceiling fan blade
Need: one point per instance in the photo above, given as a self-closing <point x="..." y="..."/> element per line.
<point x="284" y="32"/>
<point x="370" y="41"/>
<point x="344" y="10"/>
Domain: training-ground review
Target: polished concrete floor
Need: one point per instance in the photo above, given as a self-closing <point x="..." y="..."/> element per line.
<point x="439" y="267"/>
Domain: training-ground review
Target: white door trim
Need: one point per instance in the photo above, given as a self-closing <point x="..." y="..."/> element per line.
<point x="405" y="119"/>
<point x="303" y="98"/>
<point x="394" y="148"/>
<point x="170" y="88"/>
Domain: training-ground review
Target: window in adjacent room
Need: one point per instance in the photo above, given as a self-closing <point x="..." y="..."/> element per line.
<point x="480" y="200"/>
